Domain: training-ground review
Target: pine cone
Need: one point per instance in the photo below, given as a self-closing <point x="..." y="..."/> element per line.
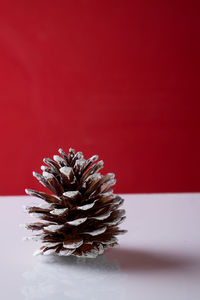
<point x="81" y="218"/>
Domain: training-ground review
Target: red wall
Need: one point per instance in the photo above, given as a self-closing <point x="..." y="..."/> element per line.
<point x="116" y="78"/>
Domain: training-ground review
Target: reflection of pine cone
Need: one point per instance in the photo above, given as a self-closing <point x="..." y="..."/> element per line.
<point x="82" y="216"/>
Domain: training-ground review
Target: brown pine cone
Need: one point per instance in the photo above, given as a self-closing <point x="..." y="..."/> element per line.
<point x="81" y="218"/>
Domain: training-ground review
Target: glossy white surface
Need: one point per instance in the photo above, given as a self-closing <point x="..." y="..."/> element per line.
<point x="159" y="257"/>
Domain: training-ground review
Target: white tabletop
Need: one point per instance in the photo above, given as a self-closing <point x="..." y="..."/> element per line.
<point x="159" y="257"/>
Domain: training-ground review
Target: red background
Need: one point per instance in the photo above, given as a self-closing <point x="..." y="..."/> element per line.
<point x="114" y="78"/>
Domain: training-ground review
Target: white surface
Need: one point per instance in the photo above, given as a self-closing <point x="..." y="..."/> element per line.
<point x="159" y="257"/>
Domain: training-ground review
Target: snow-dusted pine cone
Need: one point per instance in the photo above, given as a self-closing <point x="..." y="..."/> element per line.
<point x="81" y="218"/>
